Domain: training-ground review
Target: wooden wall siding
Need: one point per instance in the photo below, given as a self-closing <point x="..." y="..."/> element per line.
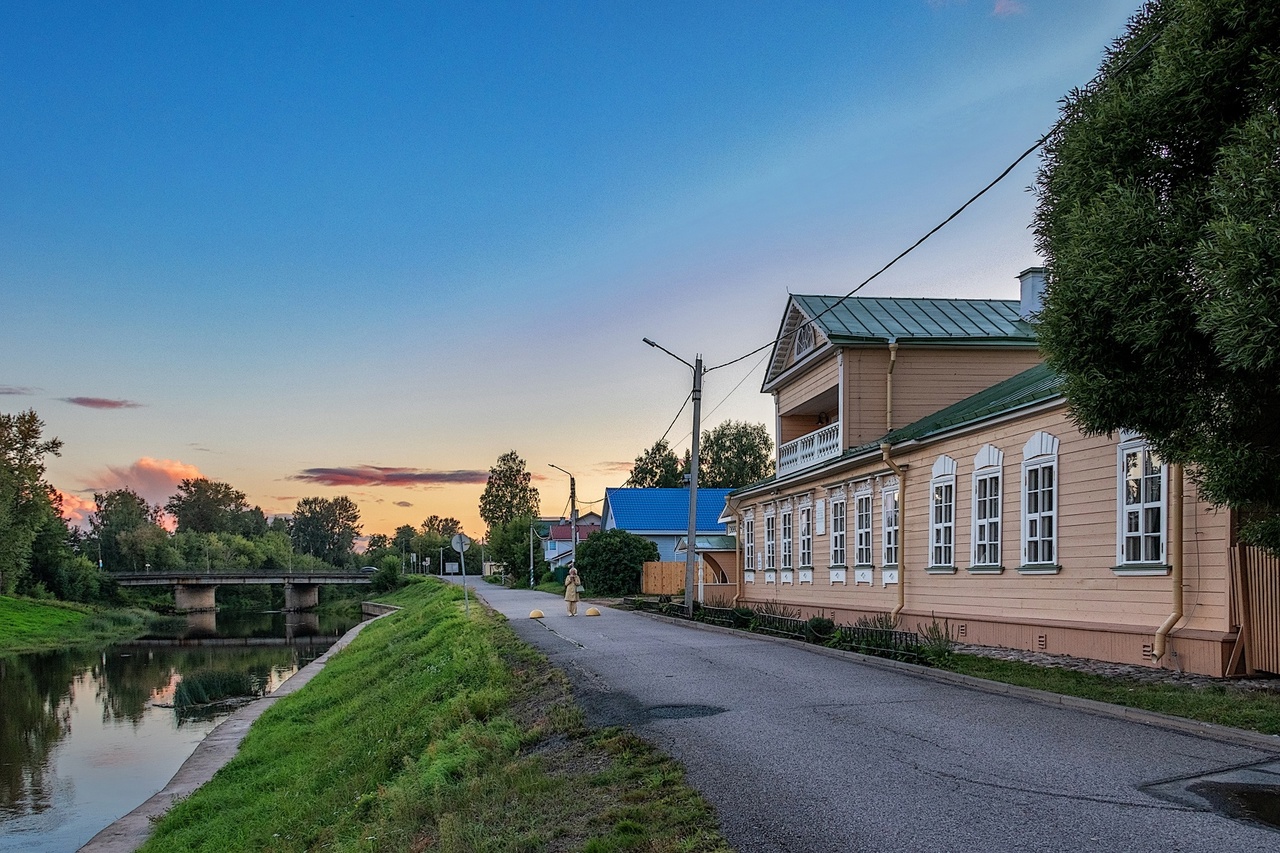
<point x="926" y="380"/>
<point x="864" y="394"/>
<point x="662" y="578"/>
<point x="1086" y="592"/>
<point x="791" y="428"/>
<point x="821" y="377"/>
<point x="1260" y="591"/>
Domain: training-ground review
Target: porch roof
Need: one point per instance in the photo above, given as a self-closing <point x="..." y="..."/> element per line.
<point x="938" y="322"/>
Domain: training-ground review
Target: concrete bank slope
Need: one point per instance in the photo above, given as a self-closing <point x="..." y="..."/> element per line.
<point x="220" y="746"/>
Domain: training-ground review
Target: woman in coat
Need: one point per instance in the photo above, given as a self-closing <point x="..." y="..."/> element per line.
<point x="571" y="583"/>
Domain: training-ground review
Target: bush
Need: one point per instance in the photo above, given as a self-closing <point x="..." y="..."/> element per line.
<point x="819" y="629"/>
<point x="611" y="561"/>
<point x="936" y="642"/>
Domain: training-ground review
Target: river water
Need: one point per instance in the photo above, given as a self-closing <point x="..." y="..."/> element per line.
<point x="85" y="735"/>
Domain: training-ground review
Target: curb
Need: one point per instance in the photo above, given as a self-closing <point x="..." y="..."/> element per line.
<point x="128" y="833"/>
<point x="1213" y="731"/>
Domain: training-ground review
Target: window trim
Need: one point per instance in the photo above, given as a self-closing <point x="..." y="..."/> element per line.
<point x="863" y="492"/>
<point x="839" y="544"/>
<point x="1040" y="453"/>
<point x="944" y="476"/>
<point x="890" y="535"/>
<point x="749" y="541"/>
<point x="787" y="525"/>
<point x="988" y="466"/>
<point x="806" y="537"/>
<point x="770" y="542"/>
<point x="1135" y="443"/>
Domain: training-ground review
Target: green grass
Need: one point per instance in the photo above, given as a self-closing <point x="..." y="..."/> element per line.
<point x="435" y="731"/>
<point x="1257" y="711"/>
<point x="32" y="626"/>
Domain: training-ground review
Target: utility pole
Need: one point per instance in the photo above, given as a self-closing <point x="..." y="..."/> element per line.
<point x="690" y="545"/>
<point x="573" y="511"/>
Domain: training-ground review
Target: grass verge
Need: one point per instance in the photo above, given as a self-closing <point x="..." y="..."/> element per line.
<point x="435" y="731"/>
<point x="27" y="625"/>
<point x="1224" y="705"/>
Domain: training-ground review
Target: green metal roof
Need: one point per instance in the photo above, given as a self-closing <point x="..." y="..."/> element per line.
<point x="708" y="543"/>
<point x="1037" y="385"/>
<point x="952" y="322"/>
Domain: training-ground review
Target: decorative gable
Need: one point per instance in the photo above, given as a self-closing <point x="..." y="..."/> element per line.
<point x="798" y="338"/>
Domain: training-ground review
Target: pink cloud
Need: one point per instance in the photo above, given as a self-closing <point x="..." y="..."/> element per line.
<point x="373" y="475"/>
<point x="76" y="509"/>
<point x="156" y="480"/>
<point x="1005" y="8"/>
<point x="101" y="403"/>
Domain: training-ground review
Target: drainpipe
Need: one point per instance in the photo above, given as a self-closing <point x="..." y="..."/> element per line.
<point x="902" y="518"/>
<point x="888" y="382"/>
<point x="1175" y="561"/>
<point x="737" y="586"/>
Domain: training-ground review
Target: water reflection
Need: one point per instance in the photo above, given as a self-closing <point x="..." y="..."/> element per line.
<point x="86" y="735"/>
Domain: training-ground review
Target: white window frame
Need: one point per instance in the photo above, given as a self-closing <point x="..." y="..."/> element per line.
<point x="839" y="529"/>
<point x="749" y="541"/>
<point x="1040" y="497"/>
<point x="862" y="514"/>
<point x="806" y="537"/>
<point x="890" y="523"/>
<point x="788" y="532"/>
<point x="1134" y="522"/>
<point x="987" y="509"/>
<point x="770" y="542"/>
<point x="942" y="514"/>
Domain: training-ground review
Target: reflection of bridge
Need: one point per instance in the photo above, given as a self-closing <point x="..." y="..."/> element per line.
<point x="196" y="590"/>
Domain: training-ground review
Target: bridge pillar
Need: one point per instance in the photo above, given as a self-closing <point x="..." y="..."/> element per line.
<point x="301" y="625"/>
<point x="192" y="596"/>
<point x="301" y="596"/>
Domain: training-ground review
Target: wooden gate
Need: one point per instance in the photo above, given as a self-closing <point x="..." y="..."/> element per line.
<point x="1255" y="577"/>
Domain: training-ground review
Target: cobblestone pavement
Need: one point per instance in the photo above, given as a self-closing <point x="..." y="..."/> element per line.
<point x="1143" y="674"/>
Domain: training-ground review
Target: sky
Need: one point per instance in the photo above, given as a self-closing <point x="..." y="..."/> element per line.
<point x="364" y="249"/>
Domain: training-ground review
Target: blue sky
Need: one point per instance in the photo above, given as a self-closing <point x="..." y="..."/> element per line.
<point x="257" y="241"/>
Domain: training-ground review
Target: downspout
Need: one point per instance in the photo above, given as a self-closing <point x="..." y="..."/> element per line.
<point x="888" y="385"/>
<point x="902" y="523"/>
<point x="738" y="546"/>
<point x="1175" y="561"/>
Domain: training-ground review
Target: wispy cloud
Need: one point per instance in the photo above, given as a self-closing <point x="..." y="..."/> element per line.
<point x="373" y="475"/>
<point x="156" y="480"/>
<point x="101" y="403"/>
<point x="18" y="390"/>
<point x="403" y="504"/>
<point x="1005" y="8"/>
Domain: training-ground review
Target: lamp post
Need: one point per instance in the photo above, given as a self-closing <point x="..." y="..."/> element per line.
<point x="690" y="545"/>
<point x="573" y="510"/>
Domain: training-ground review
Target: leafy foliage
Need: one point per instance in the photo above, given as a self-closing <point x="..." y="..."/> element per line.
<point x="657" y="468"/>
<point x="122" y="528"/>
<point x="512" y="543"/>
<point x="207" y="506"/>
<point x="1158" y="221"/>
<point x="326" y="528"/>
<point x="509" y="492"/>
<point x="611" y="561"/>
<point x="735" y="454"/>
<point x="24" y="495"/>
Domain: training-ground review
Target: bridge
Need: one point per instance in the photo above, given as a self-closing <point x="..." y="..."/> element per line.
<point x="194" y="591"/>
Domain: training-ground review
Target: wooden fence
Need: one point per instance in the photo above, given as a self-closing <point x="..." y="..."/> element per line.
<point x="662" y="578"/>
<point x="1255" y="576"/>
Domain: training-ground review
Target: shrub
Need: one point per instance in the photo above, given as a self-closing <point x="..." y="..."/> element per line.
<point x="819" y="629"/>
<point x="611" y="561"/>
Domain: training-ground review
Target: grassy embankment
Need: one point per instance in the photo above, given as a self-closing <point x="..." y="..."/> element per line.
<point x="31" y="626"/>
<point x="435" y="731"/>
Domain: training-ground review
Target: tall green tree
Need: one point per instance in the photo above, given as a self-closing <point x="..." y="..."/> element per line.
<point x="509" y="492"/>
<point x="514" y="544"/>
<point x="446" y="527"/>
<point x="24" y="495"/>
<point x="202" y="505"/>
<point x="326" y="528"/>
<point x="612" y="561"/>
<point x="657" y="468"/>
<point x="735" y="454"/>
<point x="121" y="528"/>
<point x="1159" y="220"/>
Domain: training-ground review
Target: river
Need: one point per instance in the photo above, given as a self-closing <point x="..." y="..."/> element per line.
<point x="87" y="735"/>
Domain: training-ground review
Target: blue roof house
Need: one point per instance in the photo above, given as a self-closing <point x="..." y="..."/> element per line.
<point x="662" y="515"/>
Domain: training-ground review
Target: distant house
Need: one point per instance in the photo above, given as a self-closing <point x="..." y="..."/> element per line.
<point x="662" y="515"/>
<point x="559" y="543"/>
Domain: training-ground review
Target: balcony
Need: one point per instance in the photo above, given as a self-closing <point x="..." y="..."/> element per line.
<point x="809" y="450"/>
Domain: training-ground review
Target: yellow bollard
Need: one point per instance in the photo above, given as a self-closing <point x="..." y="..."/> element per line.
<point x="591" y="611"/>
<point x="535" y="614"/>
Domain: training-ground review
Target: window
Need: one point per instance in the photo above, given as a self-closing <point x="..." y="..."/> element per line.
<point x="804" y="339"/>
<point x="806" y="536"/>
<point x="1040" y="500"/>
<point x="1142" y="502"/>
<point x="986" y="506"/>
<point x="837" y="531"/>
<point x="749" y="541"/>
<point x="786" y="538"/>
<point x="770" y="544"/>
<point x="889" y="518"/>
<point x="862" y="527"/>
<point x="942" y="520"/>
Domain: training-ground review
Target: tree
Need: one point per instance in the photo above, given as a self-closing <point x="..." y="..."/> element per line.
<point x="208" y="506"/>
<point x="446" y="527"/>
<point x="1157" y="218"/>
<point x="326" y="528"/>
<point x="612" y="561"/>
<point x="735" y="454"/>
<point x="508" y="493"/>
<point x="510" y="545"/>
<point x="24" y="495"/>
<point x="657" y="468"/>
<point x="120" y="528"/>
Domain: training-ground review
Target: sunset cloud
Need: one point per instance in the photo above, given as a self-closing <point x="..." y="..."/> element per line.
<point x="403" y="504"/>
<point x="100" y="403"/>
<point x="76" y="509"/>
<point x="156" y="480"/>
<point x="373" y="475"/>
<point x="17" y="390"/>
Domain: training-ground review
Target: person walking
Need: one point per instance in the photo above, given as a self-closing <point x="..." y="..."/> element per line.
<point x="572" y="590"/>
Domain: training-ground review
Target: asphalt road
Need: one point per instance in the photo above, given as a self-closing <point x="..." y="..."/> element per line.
<point x="799" y="751"/>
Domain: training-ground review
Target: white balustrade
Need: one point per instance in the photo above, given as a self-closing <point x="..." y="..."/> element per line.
<point x="810" y="449"/>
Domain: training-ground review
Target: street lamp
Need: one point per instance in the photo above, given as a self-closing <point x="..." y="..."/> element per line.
<point x="573" y="510"/>
<point x="696" y="367"/>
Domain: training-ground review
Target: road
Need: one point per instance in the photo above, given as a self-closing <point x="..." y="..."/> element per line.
<point x="800" y="751"/>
